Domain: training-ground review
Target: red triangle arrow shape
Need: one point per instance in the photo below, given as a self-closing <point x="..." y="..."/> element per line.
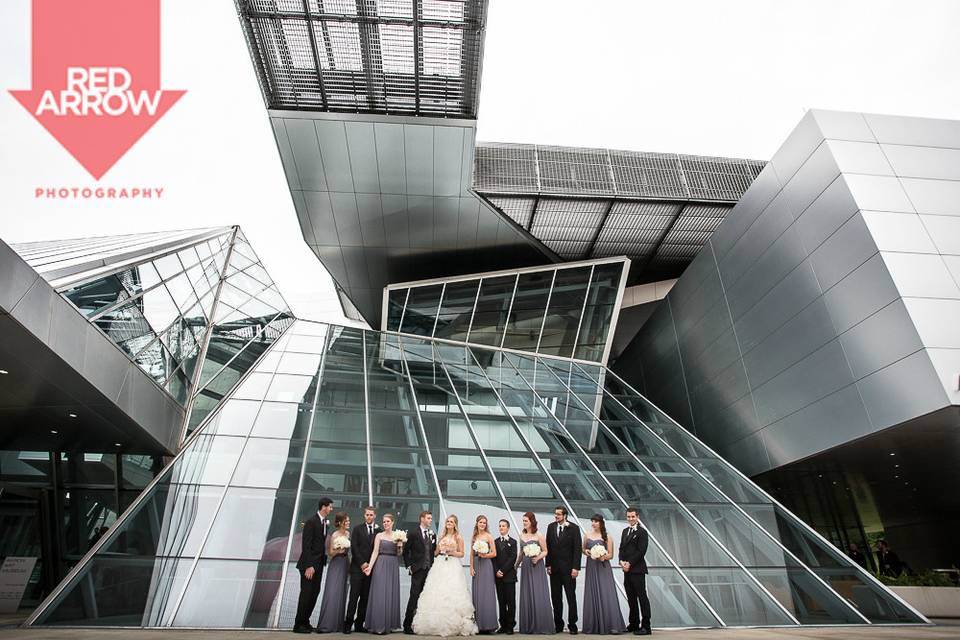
<point x="96" y="76"/>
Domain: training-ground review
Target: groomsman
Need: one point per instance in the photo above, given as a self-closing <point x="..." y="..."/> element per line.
<point x="418" y="557"/>
<point x="361" y="547"/>
<point x="505" y="565"/>
<point x="633" y="548"/>
<point x="564" y="555"/>
<point x="313" y="557"/>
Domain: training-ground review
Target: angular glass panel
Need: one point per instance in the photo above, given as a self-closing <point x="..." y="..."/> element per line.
<point x="139" y="278"/>
<point x="529" y="306"/>
<point x="599" y="310"/>
<point x="229" y="593"/>
<point x="91" y="297"/>
<point x="269" y="463"/>
<point x="252" y="524"/>
<point x="493" y="304"/>
<point x="395" y="301"/>
<point x="735" y="598"/>
<point x="566" y="308"/>
<point x="456" y="310"/>
<point x="421" y="312"/>
<point x="168" y="266"/>
<point x="282" y="420"/>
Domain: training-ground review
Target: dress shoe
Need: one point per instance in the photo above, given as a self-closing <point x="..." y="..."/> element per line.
<point x="509" y="632"/>
<point x="558" y="629"/>
<point x="501" y="630"/>
<point x="408" y="631"/>
<point x="643" y="631"/>
<point x="573" y="630"/>
<point x="347" y="629"/>
<point x="301" y="629"/>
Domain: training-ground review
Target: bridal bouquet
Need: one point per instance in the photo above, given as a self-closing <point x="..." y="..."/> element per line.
<point x="532" y="550"/>
<point x="597" y="551"/>
<point x="343" y="542"/>
<point x="481" y="546"/>
<point x="399" y="536"/>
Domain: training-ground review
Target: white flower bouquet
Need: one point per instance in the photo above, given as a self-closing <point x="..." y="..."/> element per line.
<point x="597" y="551"/>
<point x="481" y="546"/>
<point x="399" y="536"/>
<point x="341" y="543"/>
<point x="532" y="550"/>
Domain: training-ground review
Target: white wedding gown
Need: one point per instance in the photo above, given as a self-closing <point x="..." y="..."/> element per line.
<point x="445" y="607"/>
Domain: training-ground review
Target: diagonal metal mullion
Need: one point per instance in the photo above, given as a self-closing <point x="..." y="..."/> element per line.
<point x="474" y="437"/>
<point x="790" y="515"/>
<point x="683" y="576"/>
<point x="313" y="48"/>
<point x="736" y="506"/>
<point x="423" y="429"/>
<point x="303" y="472"/>
<point x="366" y="417"/>
<point x="679" y="502"/>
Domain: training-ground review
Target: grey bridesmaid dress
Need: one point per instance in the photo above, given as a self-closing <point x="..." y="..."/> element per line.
<point x="536" y="612"/>
<point x="601" y="607"/>
<point x="383" y="603"/>
<point x="334" y="602"/>
<point x="486" y="610"/>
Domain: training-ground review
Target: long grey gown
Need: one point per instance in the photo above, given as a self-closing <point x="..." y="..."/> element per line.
<point x="601" y="607"/>
<point x="334" y="602"/>
<point x="486" y="610"/>
<point x="383" y="603"/>
<point x="536" y="612"/>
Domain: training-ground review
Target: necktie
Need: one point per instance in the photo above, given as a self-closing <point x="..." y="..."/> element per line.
<point x="370" y="529"/>
<point x="502" y="539"/>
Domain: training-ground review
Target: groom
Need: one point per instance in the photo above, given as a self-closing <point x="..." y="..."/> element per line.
<point x="418" y="557"/>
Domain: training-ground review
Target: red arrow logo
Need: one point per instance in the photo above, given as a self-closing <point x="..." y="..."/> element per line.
<point x="96" y="76"/>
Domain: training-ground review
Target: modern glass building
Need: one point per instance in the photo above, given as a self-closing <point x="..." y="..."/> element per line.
<point x="113" y="350"/>
<point x="170" y="424"/>
<point x="408" y="423"/>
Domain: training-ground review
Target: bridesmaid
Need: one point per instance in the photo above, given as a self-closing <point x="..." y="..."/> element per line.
<point x="601" y="607"/>
<point x="334" y="601"/>
<point x="536" y="612"/>
<point x="383" y="603"/>
<point x="484" y="585"/>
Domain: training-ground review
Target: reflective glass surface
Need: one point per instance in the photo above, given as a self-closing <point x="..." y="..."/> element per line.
<point x="510" y="310"/>
<point x="408" y="424"/>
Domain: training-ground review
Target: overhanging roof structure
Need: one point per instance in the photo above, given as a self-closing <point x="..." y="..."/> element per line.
<point x="389" y="57"/>
<point x="657" y="208"/>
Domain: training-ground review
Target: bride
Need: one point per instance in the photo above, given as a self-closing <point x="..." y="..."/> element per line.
<point x="445" y="607"/>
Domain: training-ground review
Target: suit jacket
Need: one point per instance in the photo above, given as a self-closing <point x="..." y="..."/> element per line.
<point x="506" y="559"/>
<point x="633" y="548"/>
<point x="417" y="552"/>
<point x="313" y="544"/>
<point x="564" y="551"/>
<point x="361" y="546"/>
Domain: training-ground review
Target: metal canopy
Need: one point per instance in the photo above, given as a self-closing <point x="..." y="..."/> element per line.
<point x="408" y="57"/>
<point x="657" y="208"/>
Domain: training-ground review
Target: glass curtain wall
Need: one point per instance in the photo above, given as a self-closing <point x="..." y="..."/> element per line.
<point x="566" y="311"/>
<point x="406" y="424"/>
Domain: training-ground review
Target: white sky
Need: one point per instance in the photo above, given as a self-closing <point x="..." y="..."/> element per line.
<point x="689" y="76"/>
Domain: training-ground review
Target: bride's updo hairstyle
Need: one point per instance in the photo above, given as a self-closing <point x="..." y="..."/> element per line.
<point x="533" y="522"/>
<point x="476" y="526"/>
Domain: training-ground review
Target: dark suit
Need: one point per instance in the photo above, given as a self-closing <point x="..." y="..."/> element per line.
<point x="418" y="558"/>
<point x="506" y="561"/>
<point x="361" y="547"/>
<point x="564" y="554"/>
<point x="633" y="548"/>
<point x="313" y="553"/>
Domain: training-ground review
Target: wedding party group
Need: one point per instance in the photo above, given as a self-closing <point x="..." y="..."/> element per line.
<point x="363" y="567"/>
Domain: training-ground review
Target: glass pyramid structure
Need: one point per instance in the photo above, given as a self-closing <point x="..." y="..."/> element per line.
<point x="171" y="300"/>
<point x="407" y="423"/>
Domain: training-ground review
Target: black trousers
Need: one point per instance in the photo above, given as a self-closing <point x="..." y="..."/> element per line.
<point x="507" y="599"/>
<point x="309" y="592"/>
<point x="561" y="582"/>
<point x="635" y="585"/>
<point x="417" y="578"/>
<point x="357" y="600"/>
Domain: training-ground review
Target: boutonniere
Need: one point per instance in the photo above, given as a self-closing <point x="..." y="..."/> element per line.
<point x="301" y="524"/>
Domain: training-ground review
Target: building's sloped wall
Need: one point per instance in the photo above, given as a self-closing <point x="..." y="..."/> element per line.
<point x="825" y="307"/>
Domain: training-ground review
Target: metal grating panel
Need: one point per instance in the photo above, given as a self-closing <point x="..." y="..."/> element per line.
<point x="718" y="178"/>
<point x="419" y="57"/>
<point x="519" y="208"/>
<point x="505" y="167"/>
